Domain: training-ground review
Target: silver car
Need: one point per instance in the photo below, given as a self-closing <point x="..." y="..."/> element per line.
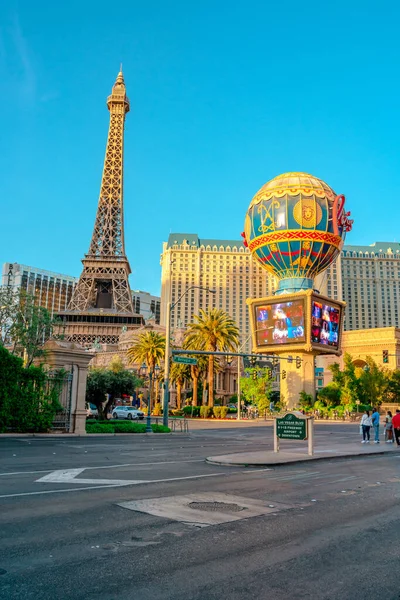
<point x="127" y="412"/>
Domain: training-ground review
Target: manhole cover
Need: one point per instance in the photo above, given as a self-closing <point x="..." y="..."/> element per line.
<point x="216" y="506"/>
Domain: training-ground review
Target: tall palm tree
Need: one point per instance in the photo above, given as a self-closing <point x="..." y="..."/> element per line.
<point x="213" y="330"/>
<point x="149" y="349"/>
<point x="178" y="374"/>
<point x="196" y="371"/>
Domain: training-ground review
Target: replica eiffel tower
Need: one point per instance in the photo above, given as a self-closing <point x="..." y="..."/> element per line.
<point x="101" y="305"/>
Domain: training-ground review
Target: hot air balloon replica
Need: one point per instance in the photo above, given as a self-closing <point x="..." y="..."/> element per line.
<point x="295" y="228"/>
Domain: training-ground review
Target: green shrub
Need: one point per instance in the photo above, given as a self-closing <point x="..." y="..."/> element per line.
<point x="28" y="396"/>
<point x="177" y="412"/>
<point x="191" y="411"/>
<point x="217" y="411"/>
<point x="160" y="428"/>
<point x="157" y="410"/>
<point x="128" y="427"/>
<point x="100" y="428"/>
<point x="123" y="427"/>
<point x="223" y="412"/>
<point x="205" y="411"/>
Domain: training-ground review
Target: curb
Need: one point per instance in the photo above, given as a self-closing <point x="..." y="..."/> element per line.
<point x="300" y="460"/>
<point x="53" y="436"/>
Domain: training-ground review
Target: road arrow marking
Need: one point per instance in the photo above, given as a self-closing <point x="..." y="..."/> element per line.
<point x="69" y="476"/>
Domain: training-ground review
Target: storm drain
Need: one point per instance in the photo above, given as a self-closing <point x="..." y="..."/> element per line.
<point x="216" y="506"/>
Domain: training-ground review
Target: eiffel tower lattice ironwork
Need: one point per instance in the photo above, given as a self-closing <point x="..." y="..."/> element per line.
<point x="102" y="302"/>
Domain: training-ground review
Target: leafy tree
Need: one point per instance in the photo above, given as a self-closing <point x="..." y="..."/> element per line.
<point x="350" y="385"/>
<point x="305" y="400"/>
<point x="24" y="326"/>
<point x="257" y="390"/>
<point x="9" y="306"/>
<point x="393" y="387"/>
<point x="373" y="382"/>
<point x="337" y="375"/>
<point x="212" y="331"/>
<point x="330" y="395"/>
<point x="105" y="385"/>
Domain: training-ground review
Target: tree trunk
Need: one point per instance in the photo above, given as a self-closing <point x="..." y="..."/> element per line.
<point x="211" y="380"/>
<point x="107" y="407"/>
<point x="195" y="390"/>
<point x="178" y="395"/>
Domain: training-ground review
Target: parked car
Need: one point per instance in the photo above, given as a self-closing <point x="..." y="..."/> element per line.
<point x="91" y="411"/>
<point x="127" y="412"/>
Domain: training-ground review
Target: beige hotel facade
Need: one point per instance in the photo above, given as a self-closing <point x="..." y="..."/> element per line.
<point x="227" y="267"/>
<point x="367" y="278"/>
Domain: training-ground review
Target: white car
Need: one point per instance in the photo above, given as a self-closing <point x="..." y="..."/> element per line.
<point x="127" y="412"/>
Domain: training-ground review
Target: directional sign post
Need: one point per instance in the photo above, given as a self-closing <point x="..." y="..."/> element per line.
<point x="184" y="360"/>
<point x="294" y="426"/>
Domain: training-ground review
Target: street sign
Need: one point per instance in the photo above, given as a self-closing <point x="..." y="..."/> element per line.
<point x="291" y="427"/>
<point x="184" y="360"/>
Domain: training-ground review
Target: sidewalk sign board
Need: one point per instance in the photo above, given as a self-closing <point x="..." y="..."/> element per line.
<point x="294" y="426"/>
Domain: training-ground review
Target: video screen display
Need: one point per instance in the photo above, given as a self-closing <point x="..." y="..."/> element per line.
<point x="280" y="323"/>
<point x="325" y="324"/>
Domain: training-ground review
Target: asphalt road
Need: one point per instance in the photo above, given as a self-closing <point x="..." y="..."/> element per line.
<point x="330" y="530"/>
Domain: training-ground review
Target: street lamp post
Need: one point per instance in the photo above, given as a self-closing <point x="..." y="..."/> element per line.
<point x="170" y="306"/>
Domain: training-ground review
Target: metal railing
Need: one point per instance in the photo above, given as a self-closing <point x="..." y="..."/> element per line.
<point x="176" y="424"/>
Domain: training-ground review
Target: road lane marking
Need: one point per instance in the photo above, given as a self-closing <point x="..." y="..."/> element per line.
<point x="104" y="487"/>
<point x="164" y="462"/>
<point x="336" y="481"/>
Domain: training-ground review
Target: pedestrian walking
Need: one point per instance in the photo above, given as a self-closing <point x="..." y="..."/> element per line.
<point x="396" y="426"/>
<point x="389" y="428"/>
<point x="366" y="423"/>
<point x="375" y="423"/>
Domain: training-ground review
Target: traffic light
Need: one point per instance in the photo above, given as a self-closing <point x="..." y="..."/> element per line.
<point x="298" y="362"/>
<point x="254" y="374"/>
<point x="283" y="374"/>
<point x="385" y="356"/>
<point x="275" y="361"/>
<point x="290" y="359"/>
<point x="269" y="373"/>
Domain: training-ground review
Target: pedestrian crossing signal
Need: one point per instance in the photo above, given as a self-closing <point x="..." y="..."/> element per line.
<point x="385" y="356"/>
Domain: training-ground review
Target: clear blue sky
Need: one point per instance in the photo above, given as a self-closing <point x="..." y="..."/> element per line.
<point x="224" y="96"/>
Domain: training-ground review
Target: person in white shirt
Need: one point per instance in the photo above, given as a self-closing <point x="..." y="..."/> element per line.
<point x="366" y="423"/>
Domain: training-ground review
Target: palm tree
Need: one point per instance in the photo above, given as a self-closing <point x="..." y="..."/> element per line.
<point x="212" y="331"/>
<point x="149" y="349"/>
<point x="178" y="374"/>
<point x="196" y="371"/>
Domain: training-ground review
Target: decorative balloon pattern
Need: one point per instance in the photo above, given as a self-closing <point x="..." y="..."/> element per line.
<point x="296" y="225"/>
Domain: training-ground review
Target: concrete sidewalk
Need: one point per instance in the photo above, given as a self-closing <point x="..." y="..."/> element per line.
<point x="296" y="454"/>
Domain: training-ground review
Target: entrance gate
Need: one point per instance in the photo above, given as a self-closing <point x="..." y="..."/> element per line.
<point x="63" y="383"/>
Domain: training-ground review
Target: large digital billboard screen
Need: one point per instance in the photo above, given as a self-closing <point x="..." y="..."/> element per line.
<point x="325" y="323"/>
<point x="280" y="323"/>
